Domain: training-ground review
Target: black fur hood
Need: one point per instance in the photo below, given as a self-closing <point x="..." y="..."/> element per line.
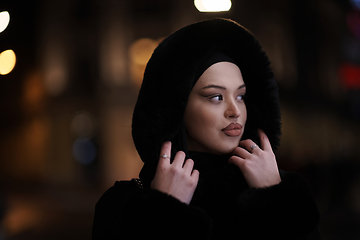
<point x="170" y="76"/>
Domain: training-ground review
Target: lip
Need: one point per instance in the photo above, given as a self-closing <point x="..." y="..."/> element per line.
<point x="233" y="130"/>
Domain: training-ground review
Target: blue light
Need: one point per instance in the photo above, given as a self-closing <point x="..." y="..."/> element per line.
<point x="356" y="3"/>
<point x="84" y="151"/>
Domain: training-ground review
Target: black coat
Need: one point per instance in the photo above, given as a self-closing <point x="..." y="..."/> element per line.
<point x="223" y="207"/>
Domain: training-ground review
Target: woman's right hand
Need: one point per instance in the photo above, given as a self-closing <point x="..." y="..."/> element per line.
<point x="176" y="179"/>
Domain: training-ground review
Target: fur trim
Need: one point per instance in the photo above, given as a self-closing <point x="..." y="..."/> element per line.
<point x="170" y="76"/>
<point x="127" y="212"/>
<point x="289" y="206"/>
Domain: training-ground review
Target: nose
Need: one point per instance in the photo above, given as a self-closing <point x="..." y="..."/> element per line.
<point x="232" y="110"/>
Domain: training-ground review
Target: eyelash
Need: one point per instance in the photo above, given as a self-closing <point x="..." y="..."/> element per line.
<point x="221" y="97"/>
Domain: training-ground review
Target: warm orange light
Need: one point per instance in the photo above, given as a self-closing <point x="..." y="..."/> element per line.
<point x="7" y="61"/>
<point x="140" y="52"/>
<point x="34" y="92"/>
<point x="21" y="218"/>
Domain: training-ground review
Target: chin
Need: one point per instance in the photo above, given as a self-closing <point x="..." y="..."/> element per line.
<point x="224" y="151"/>
<point x="228" y="147"/>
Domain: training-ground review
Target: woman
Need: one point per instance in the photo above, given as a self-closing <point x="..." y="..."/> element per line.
<point x="205" y="124"/>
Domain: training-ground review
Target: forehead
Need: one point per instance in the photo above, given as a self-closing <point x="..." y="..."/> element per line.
<point x="225" y="74"/>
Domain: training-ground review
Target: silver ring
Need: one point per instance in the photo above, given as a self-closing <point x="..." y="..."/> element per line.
<point x="253" y="146"/>
<point x="165" y="156"/>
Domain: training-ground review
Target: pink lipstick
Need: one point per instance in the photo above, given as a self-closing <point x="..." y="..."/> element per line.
<point x="233" y="130"/>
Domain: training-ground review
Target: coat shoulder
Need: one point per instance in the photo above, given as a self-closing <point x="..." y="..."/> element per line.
<point x="126" y="207"/>
<point x="117" y="193"/>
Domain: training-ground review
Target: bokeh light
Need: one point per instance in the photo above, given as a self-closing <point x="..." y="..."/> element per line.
<point x="7" y="61"/>
<point x="139" y="53"/>
<point x="83" y="125"/>
<point x="213" y="5"/>
<point x="56" y="66"/>
<point x="4" y="20"/>
<point x="83" y="128"/>
<point x="22" y="216"/>
<point x="355" y="3"/>
<point x="350" y="76"/>
<point x="84" y="150"/>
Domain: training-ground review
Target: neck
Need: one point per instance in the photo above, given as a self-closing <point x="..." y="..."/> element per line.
<point x="205" y="162"/>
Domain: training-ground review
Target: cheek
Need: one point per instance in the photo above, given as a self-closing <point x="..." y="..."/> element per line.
<point x="204" y="117"/>
<point x="244" y="113"/>
<point x="199" y="119"/>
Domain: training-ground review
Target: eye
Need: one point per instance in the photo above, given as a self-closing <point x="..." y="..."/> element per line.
<point x="216" y="97"/>
<point x="240" y="97"/>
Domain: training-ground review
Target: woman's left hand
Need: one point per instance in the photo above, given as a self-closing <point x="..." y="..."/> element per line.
<point x="258" y="165"/>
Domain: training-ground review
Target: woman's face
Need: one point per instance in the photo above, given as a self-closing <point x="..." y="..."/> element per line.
<point x="215" y="114"/>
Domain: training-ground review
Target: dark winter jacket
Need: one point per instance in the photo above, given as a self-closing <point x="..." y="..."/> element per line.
<point x="223" y="206"/>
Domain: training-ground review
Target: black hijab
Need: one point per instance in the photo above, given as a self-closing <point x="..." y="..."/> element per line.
<point x="173" y="70"/>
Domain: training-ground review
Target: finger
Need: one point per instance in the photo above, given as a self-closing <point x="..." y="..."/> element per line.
<point x="179" y="159"/>
<point x="195" y="174"/>
<point x="264" y="141"/>
<point x="245" y="143"/>
<point x="237" y="161"/>
<point x="241" y="152"/>
<point x="188" y="166"/>
<point x="249" y="145"/>
<point x="165" y="152"/>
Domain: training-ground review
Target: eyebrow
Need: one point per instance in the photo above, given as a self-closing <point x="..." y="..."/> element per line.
<point x="220" y="87"/>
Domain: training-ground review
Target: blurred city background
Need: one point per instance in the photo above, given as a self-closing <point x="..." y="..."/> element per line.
<point x="66" y="104"/>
